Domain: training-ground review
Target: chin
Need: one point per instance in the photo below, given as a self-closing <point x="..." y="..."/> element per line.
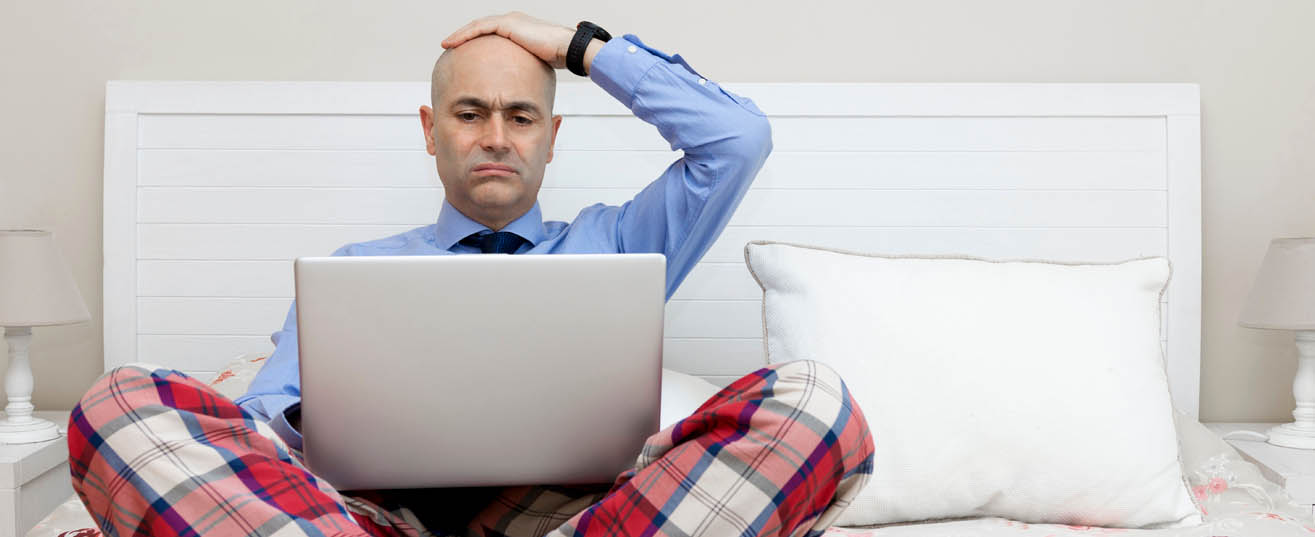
<point x="493" y="196"/>
<point x="495" y="199"/>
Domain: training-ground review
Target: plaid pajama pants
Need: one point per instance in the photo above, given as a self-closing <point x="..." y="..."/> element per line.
<point x="780" y="451"/>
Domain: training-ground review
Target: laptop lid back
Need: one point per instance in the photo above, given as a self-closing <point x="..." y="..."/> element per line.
<point x="478" y="370"/>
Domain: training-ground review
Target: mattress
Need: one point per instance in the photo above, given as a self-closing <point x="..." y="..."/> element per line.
<point x="1236" y="499"/>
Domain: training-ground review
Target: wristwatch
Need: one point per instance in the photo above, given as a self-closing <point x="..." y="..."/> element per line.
<point x="584" y="33"/>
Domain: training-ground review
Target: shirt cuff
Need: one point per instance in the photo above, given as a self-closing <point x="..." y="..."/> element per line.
<point x="621" y="64"/>
<point x="273" y="409"/>
<point x="284" y="429"/>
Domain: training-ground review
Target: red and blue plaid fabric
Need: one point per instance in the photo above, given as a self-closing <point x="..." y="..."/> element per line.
<point x="779" y="452"/>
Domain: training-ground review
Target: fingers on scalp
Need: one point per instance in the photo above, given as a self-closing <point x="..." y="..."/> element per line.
<point x="484" y="26"/>
<point x="453" y="39"/>
<point x="462" y="34"/>
<point x="481" y="26"/>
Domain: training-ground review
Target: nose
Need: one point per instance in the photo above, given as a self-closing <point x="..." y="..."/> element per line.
<point x="494" y="139"/>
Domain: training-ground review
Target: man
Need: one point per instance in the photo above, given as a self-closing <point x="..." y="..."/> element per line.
<point x="779" y="452"/>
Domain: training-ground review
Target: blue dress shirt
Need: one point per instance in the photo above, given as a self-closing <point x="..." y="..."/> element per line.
<point x="725" y="139"/>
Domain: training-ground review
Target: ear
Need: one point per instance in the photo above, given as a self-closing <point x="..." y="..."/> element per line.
<point x="427" y="122"/>
<point x="552" y="142"/>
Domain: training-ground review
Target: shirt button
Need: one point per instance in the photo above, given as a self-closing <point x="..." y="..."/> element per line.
<point x="632" y="49"/>
<point x="703" y="81"/>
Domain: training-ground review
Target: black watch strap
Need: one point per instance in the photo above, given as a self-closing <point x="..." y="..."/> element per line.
<point x="584" y="33"/>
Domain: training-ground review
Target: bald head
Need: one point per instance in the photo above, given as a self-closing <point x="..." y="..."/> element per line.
<point x="491" y="59"/>
<point x="491" y="129"/>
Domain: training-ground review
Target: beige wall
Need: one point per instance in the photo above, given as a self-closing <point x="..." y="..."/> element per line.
<point x="1252" y="59"/>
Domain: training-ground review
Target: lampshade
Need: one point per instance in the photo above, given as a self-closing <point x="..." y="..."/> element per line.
<point x="36" y="287"/>
<point x="1283" y="296"/>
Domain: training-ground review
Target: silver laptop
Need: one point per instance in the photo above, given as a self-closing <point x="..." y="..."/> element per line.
<point x="478" y="370"/>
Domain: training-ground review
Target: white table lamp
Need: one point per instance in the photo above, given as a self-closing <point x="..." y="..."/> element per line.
<point x="1283" y="298"/>
<point x="36" y="289"/>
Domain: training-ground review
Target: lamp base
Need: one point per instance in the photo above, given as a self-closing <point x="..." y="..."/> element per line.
<point x="19" y="427"/>
<point x="27" y="431"/>
<point x="1290" y="435"/>
<point x="1300" y="434"/>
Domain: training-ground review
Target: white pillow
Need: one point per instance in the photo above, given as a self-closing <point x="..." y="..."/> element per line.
<point x="682" y="394"/>
<point x="1028" y="390"/>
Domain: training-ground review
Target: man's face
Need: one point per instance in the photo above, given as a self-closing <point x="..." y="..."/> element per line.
<point x="491" y="128"/>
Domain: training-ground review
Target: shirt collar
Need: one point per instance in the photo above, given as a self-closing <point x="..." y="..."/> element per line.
<point x="452" y="226"/>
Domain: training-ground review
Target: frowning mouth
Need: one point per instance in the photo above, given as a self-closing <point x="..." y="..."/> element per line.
<point x="490" y="168"/>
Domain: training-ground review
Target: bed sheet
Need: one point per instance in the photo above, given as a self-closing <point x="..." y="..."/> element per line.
<point x="1235" y="498"/>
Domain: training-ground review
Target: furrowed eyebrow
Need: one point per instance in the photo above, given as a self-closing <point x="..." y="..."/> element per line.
<point x="524" y="106"/>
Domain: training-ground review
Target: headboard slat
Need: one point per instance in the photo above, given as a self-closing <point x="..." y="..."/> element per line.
<point x="1049" y="170"/>
<point x="213" y="188"/>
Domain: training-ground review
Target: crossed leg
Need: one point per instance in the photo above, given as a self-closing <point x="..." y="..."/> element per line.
<point x="781" y="451"/>
<point x="155" y="452"/>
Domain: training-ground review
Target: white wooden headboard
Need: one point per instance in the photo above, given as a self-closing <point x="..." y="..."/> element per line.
<point x="213" y="188"/>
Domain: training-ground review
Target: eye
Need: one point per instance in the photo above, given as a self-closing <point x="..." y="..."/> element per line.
<point x="522" y="120"/>
<point x="467" y="116"/>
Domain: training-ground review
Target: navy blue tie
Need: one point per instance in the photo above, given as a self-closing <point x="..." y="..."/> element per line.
<point x="497" y="242"/>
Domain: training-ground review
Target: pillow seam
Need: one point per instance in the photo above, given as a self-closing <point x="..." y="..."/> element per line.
<point x="943" y="256"/>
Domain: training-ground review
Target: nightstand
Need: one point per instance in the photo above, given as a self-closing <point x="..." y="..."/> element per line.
<point x="34" y="478"/>
<point x="1294" y="469"/>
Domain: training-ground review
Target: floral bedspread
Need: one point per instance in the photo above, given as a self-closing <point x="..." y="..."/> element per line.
<point x="1236" y="501"/>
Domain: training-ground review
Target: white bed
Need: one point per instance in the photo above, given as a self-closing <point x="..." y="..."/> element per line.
<point x="212" y="189"/>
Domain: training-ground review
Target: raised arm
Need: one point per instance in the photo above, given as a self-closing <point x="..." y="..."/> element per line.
<point x="725" y="139"/>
